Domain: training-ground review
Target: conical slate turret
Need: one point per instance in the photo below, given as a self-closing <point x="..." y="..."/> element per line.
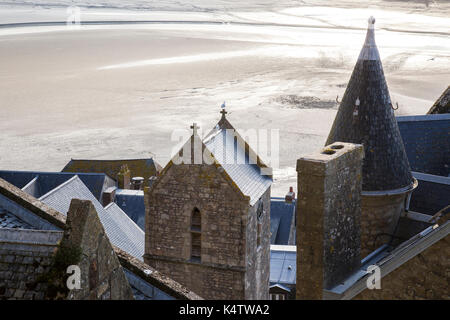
<point x="366" y="116"/>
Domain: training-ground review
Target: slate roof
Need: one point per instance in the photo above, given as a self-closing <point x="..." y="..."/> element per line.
<point x="235" y="158"/>
<point x="283" y="265"/>
<point x="431" y="195"/>
<point x="442" y="105"/>
<point x="132" y="203"/>
<point x="148" y="283"/>
<point x="385" y="165"/>
<point x="9" y="220"/>
<point x="427" y="142"/>
<point x="121" y="230"/>
<point x="138" y="167"/>
<point x="281" y="219"/>
<point x="38" y="183"/>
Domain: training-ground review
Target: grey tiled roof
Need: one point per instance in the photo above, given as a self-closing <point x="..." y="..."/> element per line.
<point x="281" y="219"/>
<point x="234" y="159"/>
<point x="46" y="181"/>
<point x="121" y="230"/>
<point x="385" y="165"/>
<point x="283" y="265"/>
<point x="132" y="203"/>
<point x="9" y="220"/>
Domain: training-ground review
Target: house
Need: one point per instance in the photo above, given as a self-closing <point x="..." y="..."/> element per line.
<point x="144" y="168"/>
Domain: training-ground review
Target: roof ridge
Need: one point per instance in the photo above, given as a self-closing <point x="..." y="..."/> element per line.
<point x="59" y="187"/>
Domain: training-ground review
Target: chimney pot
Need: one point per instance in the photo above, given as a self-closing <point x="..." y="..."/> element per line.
<point x="108" y="196"/>
<point x="137" y="183"/>
<point x="290" y="196"/>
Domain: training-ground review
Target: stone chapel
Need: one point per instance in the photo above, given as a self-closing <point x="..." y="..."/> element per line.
<point x="208" y="218"/>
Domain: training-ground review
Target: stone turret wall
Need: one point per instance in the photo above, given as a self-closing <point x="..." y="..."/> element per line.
<point x="379" y="218"/>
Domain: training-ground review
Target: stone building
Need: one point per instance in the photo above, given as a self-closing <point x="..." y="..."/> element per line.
<point x="38" y="243"/>
<point x="414" y="265"/>
<point x="366" y="116"/>
<point x="143" y="168"/>
<point x="207" y="218"/>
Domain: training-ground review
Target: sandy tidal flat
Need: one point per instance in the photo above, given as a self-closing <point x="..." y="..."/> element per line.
<point x="119" y="91"/>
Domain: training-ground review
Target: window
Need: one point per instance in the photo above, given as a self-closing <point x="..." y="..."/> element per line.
<point x="196" y="222"/>
<point x="277" y="296"/>
<point x="196" y="235"/>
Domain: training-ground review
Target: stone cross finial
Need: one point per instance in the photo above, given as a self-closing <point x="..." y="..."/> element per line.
<point x="194" y="128"/>
<point x="223" y="112"/>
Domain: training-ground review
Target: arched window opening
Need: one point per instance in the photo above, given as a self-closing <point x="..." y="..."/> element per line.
<point x="196" y="235"/>
<point x="196" y="222"/>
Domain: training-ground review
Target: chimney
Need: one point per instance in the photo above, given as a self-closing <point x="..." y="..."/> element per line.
<point x="123" y="177"/>
<point x="108" y="196"/>
<point x="290" y="196"/>
<point x="137" y="183"/>
<point x="328" y="218"/>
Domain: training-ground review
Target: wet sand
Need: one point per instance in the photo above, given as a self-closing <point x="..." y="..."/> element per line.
<point x="120" y="91"/>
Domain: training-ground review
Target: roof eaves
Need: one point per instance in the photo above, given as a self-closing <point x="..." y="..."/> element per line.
<point x="154" y="277"/>
<point x="32" y="204"/>
<point x="396" y="258"/>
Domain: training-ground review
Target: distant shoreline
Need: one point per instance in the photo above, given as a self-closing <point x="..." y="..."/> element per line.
<point x="137" y="22"/>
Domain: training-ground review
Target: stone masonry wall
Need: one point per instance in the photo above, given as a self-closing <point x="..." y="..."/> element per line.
<point x="25" y="255"/>
<point x="426" y="276"/>
<point x="102" y="276"/>
<point x="258" y="258"/>
<point x="328" y="218"/>
<point x="224" y="215"/>
<point x="211" y="282"/>
<point x="379" y="218"/>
